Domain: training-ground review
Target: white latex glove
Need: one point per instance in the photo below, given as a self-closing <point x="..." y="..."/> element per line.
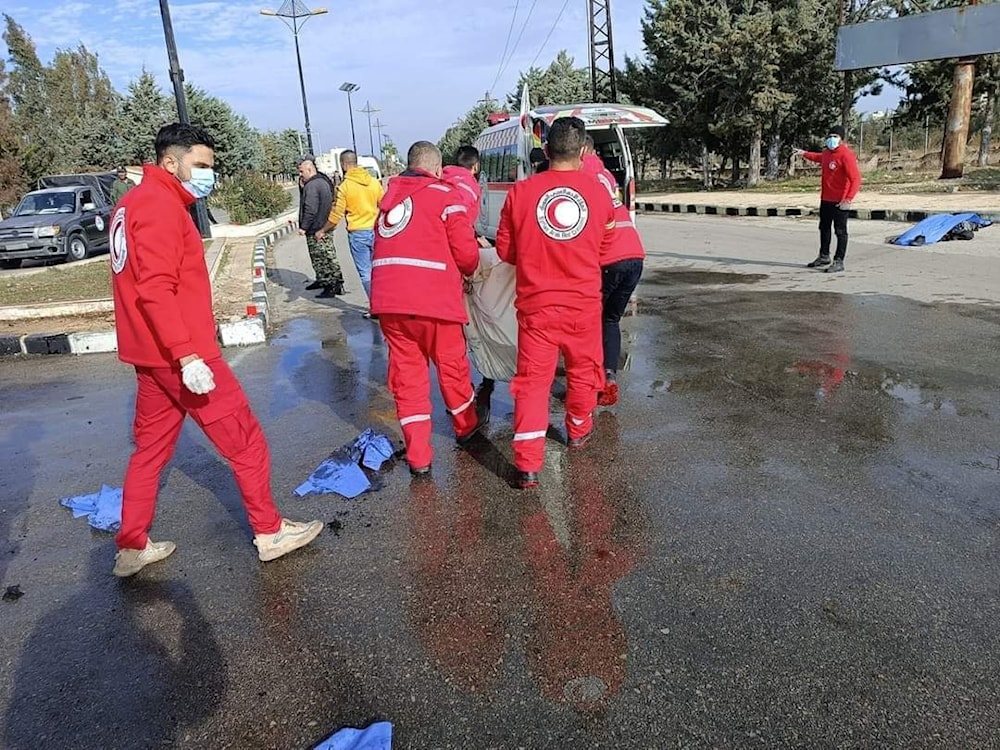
<point x="844" y="205"/>
<point x="198" y="377"/>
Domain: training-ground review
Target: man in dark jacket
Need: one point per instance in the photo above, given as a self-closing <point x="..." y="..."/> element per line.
<point x="315" y="202"/>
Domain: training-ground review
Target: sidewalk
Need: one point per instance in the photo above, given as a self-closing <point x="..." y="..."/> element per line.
<point x="907" y="208"/>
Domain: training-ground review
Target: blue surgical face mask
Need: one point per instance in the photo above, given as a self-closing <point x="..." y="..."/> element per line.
<point x="201" y="183"/>
<point x="833" y="142"/>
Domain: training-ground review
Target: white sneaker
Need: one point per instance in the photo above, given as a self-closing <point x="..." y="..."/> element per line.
<point x="128" y="562"/>
<point x="289" y="537"/>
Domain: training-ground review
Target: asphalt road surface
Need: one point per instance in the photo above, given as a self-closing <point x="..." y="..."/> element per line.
<point x="784" y="536"/>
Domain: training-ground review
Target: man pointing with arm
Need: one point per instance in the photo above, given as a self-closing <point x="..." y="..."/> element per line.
<point x="841" y="183"/>
<point x="166" y="330"/>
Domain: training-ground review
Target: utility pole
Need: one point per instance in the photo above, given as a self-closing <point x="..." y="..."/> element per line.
<point x="368" y="110"/>
<point x="956" y="131"/>
<point x="959" y="114"/>
<point x="847" y="95"/>
<point x="381" y="146"/>
<point x="602" y="54"/>
<point x="199" y="211"/>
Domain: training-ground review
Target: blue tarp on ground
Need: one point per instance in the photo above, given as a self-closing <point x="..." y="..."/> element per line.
<point x="103" y="509"/>
<point x="934" y="228"/>
<point x="376" y="737"/>
<point x="340" y="473"/>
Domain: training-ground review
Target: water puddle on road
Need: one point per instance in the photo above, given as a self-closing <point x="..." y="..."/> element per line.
<point x="866" y="362"/>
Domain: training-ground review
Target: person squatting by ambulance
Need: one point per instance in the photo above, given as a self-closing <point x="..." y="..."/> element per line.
<point x="555" y="228"/>
<point x="166" y="330"/>
<point x="424" y="245"/>
<point x="621" y="269"/>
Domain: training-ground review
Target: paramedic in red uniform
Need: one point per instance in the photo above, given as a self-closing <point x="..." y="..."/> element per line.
<point x="621" y="269"/>
<point x="424" y="245"/>
<point x="841" y="183"/>
<point x="555" y="227"/>
<point x="166" y="330"/>
<point x="464" y="177"/>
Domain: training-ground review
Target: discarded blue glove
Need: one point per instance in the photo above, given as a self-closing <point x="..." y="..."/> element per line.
<point x="339" y="474"/>
<point x="377" y="450"/>
<point x="103" y="509"/>
<point x="378" y="736"/>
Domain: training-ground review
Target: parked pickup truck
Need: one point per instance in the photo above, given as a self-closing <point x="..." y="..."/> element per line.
<point x="66" y="219"/>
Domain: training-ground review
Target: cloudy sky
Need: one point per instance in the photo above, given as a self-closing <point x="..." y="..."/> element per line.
<point x="421" y="64"/>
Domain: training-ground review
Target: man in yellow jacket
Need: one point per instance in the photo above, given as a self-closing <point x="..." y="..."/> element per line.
<point x="357" y="199"/>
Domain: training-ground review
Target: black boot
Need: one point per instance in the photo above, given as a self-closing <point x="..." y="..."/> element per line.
<point x="527" y="480"/>
<point x="482" y="422"/>
<point x="314" y="286"/>
<point x="836" y="267"/>
<point x="823" y="260"/>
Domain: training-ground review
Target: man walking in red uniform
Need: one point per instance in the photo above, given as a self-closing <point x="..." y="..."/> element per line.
<point x="841" y="183"/>
<point x="621" y="269"/>
<point x="555" y="227"/>
<point x="424" y="245"/>
<point x="166" y="329"/>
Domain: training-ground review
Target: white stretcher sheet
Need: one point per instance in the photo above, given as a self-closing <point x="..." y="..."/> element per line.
<point x="492" y="328"/>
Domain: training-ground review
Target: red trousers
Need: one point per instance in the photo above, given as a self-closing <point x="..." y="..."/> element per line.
<point x="413" y="341"/>
<point x="161" y="403"/>
<point x="541" y="337"/>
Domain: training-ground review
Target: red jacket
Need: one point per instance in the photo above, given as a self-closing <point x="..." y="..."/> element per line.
<point x="841" y="176"/>
<point x="555" y="228"/>
<point x="424" y="244"/>
<point x="626" y="243"/>
<point x="163" y="297"/>
<point x="467" y="188"/>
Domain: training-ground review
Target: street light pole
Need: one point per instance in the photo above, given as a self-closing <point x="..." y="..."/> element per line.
<point x="299" y="14"/>
<point x="350" y="88"/>
<point x="371" y="136"/>
<point x="199" y="210"/>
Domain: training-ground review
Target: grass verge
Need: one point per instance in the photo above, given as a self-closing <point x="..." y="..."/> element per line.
<point x="63" y="283"/>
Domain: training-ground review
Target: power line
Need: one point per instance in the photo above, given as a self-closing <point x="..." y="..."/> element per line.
<point x="520" y="34"/>
<point x="506" y="44"/>
<point x="549" y="35"/>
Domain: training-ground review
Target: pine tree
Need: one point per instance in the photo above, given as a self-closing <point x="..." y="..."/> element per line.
<point x="144" y="111"/>
<point x="12" y="183"/>
<point x="26" y="90"/>
<point x="561" y="83"/>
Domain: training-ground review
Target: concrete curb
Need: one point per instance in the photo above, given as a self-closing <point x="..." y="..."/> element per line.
<point x="865" y="214"/>
<point x="218" y="247"/>
<point x="244" y="332"/>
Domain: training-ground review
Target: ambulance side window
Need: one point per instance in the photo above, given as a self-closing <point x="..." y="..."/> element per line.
<point x="486" y="157"/>
<point x="510" y="164"/>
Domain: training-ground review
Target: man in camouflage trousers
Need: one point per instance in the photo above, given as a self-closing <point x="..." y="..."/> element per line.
<point x="315" y="202"/>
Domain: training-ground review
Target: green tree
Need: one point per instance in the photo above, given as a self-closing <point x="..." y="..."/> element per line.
<point x="237" y="144"/>
<point x="83" y="107"/>
<point x="26" y="91"/>
<point x="12" y="183"/>
<point x="561" y="83"/>
<point x="466" y="130"/>
<point x="144" y="111"/>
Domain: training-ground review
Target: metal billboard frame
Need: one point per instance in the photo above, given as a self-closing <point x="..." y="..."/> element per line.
<point x="961" y="33"/>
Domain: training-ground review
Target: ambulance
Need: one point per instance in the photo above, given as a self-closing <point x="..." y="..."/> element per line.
<point x="505" y="146"/>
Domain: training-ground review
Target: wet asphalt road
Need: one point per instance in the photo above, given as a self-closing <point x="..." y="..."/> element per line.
<point x="784" y="536"/>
